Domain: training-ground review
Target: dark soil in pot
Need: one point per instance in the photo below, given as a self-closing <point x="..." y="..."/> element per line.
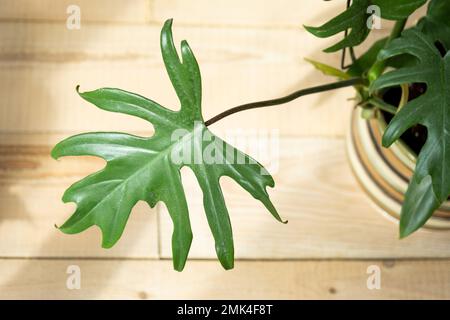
<point x="416" y="136"/>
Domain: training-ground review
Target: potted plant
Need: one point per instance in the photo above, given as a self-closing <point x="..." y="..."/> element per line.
<point x="403" y="100"/>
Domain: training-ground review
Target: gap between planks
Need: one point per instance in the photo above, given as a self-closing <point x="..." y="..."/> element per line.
<point x="329" y="215"/>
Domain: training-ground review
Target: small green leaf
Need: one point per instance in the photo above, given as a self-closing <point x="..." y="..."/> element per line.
<point x="363" y="64"/>
<point x="365" y="61"/>
<point x="430" y="185"/>
<point x="355" y="19"/>
<point x="329" y="70"/>
<point x="148" y="169"/>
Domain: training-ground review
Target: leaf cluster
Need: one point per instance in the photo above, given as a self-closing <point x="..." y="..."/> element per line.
<point x="419" y="55"/>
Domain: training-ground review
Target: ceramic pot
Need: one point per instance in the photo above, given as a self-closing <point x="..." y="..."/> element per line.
<point x="385" y="173"/>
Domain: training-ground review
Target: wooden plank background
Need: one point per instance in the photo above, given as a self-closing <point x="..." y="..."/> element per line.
<point x="247" y="50"/>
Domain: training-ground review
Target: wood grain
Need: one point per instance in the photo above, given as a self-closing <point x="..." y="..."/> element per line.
<point x="248" y="51"/>
<point x="256" y="13"/>
<point x="118" y="11"/>
<point x="122" y="279"/>
<point x="40" y="65"/>
<point x="231" y="13"/>
<point x="31" y="187"/>
<point x="329" y="215"/>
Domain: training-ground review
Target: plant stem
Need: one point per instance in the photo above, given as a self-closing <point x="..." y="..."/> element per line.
<point x="288" y="98"/>
<point x="380" y="104"/>
<point x="377" y="69"/>
<point x="405" y="96"/>
<point x="344" y="50"/>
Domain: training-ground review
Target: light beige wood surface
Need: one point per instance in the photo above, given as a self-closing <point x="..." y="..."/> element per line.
<point x="247" y="50"/>
<point x="128" y="279"/>
<point x="105" y="11"/>
<point x="261" y="13"/>
<point x="50" y="61"/>
<point x="31" y="187"/>
<point x="329" y="216"/>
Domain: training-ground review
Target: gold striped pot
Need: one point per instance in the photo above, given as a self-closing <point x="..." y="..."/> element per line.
<point x="385" y="173"/>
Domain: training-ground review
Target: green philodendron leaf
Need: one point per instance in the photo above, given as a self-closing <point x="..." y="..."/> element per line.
<point x="430" y="184"/>
<point x="366" y="60"/>
<point x="355" y="19"/>
<point x="436" y="24"/>
<point x="328" y="70"/>
<point x="148" y="169"/>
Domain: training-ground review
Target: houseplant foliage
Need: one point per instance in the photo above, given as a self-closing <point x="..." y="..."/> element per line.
<point x="143" y="168"/>
<point x="430" y="185"/>
<point x="355" y="19"/>
<point x="418" y="55"/>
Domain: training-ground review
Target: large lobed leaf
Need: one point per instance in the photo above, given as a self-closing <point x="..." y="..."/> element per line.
<point x="430" y="184"/>
<point x="436" y="24"/>
<point x="148" y="169"/>
<point x="355" y="19"/>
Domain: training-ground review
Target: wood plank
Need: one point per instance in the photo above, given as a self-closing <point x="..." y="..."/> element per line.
<point x="136" y="11"/>
<point x="329" y="215"/>
<point x="121" y="279"/>
<point x="40" y="65"/>
<point x="231" y="13"/>
<point x="31" y="187"/>
<point x="284" y="13"/>
<point x="252" y="13"/>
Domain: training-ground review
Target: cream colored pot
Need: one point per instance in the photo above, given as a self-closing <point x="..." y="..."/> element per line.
<point x="384" y="173"/>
